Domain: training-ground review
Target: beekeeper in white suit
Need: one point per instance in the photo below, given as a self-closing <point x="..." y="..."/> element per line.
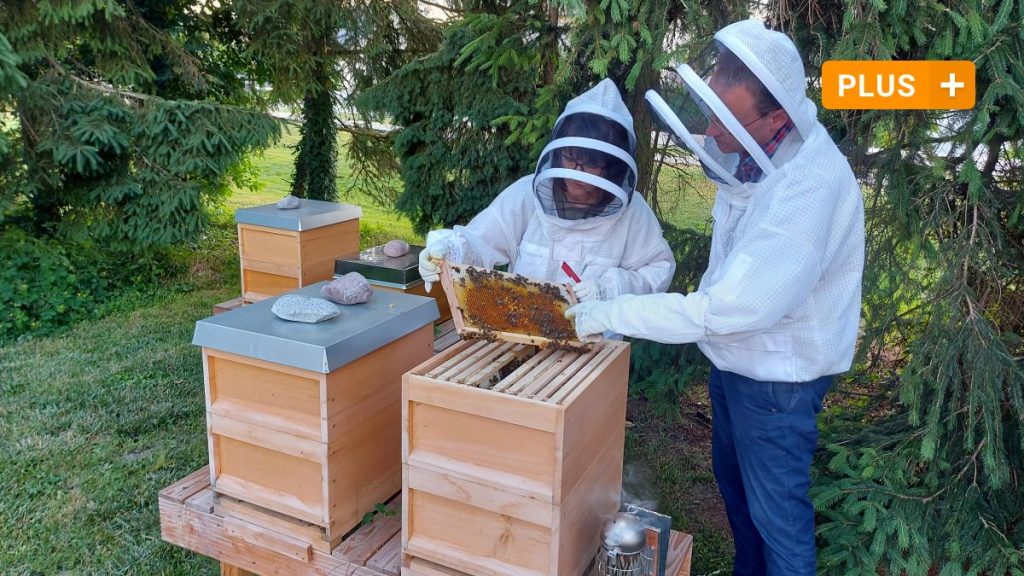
<point x="778" y="308"/>
<point x="578" y="208"/>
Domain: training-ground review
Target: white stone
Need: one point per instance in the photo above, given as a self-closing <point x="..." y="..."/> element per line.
<point x="289" y="202"/>
<point x="298" y="308"/>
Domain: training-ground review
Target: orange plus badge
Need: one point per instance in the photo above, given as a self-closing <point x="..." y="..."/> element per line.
<point x="898" y="85"/>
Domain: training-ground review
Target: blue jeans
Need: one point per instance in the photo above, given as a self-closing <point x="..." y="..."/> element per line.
<point x="763" y="438"/>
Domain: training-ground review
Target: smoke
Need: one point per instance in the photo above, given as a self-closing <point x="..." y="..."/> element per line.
<point x="637" y="488"/>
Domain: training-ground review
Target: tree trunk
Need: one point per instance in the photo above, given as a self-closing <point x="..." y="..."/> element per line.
<point x="316" y="152"/>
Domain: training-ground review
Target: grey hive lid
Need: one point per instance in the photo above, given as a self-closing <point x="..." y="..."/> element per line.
<point x="380" y="268"/>
<point x="311" y="214"/>
<point x="254" y="331"/>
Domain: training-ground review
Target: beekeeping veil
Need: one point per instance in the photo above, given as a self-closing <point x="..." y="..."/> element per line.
<point x="592" y="143"/>
<point x="685" y="105"/>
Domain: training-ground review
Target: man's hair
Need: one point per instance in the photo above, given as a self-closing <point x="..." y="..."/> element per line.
<point x="731" y="71"/>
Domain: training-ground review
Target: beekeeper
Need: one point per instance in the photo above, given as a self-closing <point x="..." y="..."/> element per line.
<point x="578" y="208"/>
<point x="778" y="308"/>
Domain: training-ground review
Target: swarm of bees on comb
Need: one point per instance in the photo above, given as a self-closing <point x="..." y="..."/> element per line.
<point x="495" y="304"/>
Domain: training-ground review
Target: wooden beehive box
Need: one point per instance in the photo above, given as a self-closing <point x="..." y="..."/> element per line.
<point x="399" y="274"/>
<point x="512" y="456"/>
<point x="281" y="250"/>
<point x="304" y="420"/>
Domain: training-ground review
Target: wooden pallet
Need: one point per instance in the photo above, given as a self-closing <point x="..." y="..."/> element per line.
<point x="228" y="305"/>
<point x="445" y="335"/>
<point x="188" y="519"/>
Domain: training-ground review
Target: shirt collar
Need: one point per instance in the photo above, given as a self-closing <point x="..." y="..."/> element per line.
<point x="747" y="170"/>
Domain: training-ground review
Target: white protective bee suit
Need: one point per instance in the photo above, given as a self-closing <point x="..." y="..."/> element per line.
<point x="617" y="248"/>
<point x="780" y="300"/>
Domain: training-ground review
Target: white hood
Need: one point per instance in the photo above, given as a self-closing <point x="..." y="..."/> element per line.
<point x="595" y="135"/>
<point x="773" y="58"/>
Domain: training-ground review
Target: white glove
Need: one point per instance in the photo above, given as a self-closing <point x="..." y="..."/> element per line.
<point x="590" y="317"/>
<point x="594" y="289"/>
<point x="430" y="262"/>
<point x="669" y="318"/>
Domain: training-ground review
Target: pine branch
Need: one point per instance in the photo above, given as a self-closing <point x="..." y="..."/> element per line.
<point x="447" y="9"/>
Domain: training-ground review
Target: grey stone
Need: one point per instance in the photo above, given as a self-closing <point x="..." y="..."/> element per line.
<point x="289" y="202"/>
<point x="352" y="288"/>
<point x="396" y="248"/>
<point x="298" y="308"/>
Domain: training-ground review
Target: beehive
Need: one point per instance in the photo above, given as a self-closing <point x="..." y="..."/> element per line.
<point x="397" y="273"/>
<point x="512" y="456"/>
<point x="281" y="250"/>
<point x="304" y="420"/>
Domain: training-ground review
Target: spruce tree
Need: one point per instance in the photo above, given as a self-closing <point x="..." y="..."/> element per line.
<point x="320" y="55"/>
<point x="513" y="66"/>
<point x="111" y="136"/>
<point x="927" y="476"/>
<point x="455" y="153"/>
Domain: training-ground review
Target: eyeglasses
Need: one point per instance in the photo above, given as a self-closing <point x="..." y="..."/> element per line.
<point x="716" y="123"/>
<point x="569" y="160"/>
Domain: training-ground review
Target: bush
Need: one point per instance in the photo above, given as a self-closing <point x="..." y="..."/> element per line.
<point x="39" y="286"/>
<point x="47" y="284"/>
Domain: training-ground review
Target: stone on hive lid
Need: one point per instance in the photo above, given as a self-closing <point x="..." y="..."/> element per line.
<point x="289" y="202"/>
<point x="298" y="308"/>
<point x="396" y="248"/>
<point x="352" y="288"/>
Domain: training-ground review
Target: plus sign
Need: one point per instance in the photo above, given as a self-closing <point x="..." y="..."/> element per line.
<point x="952" y="85"/>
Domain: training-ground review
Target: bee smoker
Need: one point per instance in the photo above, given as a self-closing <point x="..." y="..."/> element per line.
<point x="634" y="543"/>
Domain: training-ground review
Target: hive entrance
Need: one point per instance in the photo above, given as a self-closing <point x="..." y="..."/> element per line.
<point x="547" y="375"/>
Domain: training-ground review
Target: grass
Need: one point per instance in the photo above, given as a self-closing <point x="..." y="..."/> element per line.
<point x="93" y="424"/>
<point x="668" y="465"/>
<point x="96" y="420"/>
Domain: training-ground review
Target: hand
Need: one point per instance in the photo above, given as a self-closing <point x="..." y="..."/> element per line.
<point x="589" y="317"/>
<point x="590" y="290"/>
<point x="430" y="259"/>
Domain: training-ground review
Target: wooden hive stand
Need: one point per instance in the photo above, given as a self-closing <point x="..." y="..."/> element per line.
<point x="244" y="548"/>
<point x="188" y="518"/>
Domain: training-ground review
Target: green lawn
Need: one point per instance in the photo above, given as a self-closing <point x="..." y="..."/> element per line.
<point x="96" y="420"/>
<point x="377" y="225"/>
<point x="93" y="423"/>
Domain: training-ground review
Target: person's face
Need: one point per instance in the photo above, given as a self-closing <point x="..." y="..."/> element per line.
<point x="740" y="101"/>
<point x="576" y="191"/>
